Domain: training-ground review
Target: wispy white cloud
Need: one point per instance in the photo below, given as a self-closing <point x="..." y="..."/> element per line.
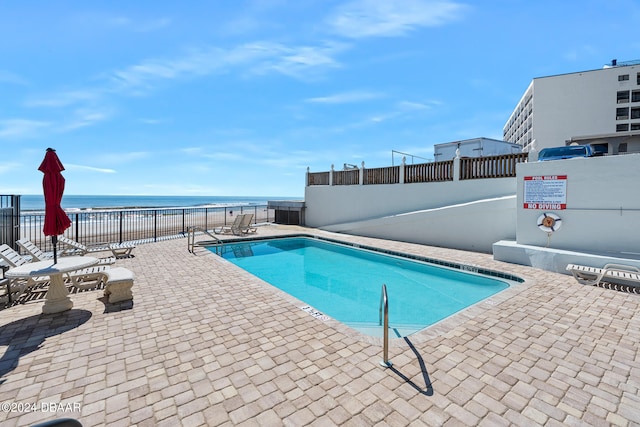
<point x="345" y="98"/>
<point x="301" y="62"/>
<point x="194" y="151"/>
<point x="151" y="121"/>
<point x="374" y="18"/>
<point x="72" y="167"/>
<point x="9" y="167"/>
<point x="253" y="58"/>
<point x="123" y="157"/>
<point x="8" y="77"/>
<point x="21" y="128"/>
<point x="83" y="118"/>
<point x="140" y="26"/>
<point x="65" y="98"/>
<point x="415" y="106"/>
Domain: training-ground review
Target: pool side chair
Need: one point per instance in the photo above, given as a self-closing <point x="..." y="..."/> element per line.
<point x="233" y="228"/>
<point x="35" y="252"/>
<point x="119" y="250"/>
<point x="38" y="255"/>
<point x="245" y="225"/>
<point x="614" y="273"/>
<point x="14" y="259"/>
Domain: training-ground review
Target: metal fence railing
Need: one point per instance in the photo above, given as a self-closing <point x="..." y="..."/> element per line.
<point x="9" y="219"/>
<point x="137" y="225"/>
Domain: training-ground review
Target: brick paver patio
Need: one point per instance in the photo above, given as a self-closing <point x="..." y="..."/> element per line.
<point x="205" y="343"/>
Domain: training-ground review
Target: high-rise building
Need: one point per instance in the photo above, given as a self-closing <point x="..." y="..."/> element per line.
<point x="600" y="107"/>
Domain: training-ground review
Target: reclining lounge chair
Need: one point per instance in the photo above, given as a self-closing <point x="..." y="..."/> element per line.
<point x="245" y="225"/>
<point x="614" y="273"/>
<point x="119" y="250"/>
<point x="117" y="281"/>
<point x="37" y="254"/>
<point x="233" y="228"/>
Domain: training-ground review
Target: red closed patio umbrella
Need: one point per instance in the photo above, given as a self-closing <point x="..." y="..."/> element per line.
<point x="55" y="219"/>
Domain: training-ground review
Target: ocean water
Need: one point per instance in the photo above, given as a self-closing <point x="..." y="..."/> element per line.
<point x="36" y="202"/>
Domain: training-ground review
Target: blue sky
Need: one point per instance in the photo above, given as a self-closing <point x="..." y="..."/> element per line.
<point x="239" y="97"/>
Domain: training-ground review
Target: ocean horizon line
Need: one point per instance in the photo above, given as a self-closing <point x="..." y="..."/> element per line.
<point x="30" y="202"/>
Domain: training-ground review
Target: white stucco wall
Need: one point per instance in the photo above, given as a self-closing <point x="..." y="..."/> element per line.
<point x="603" y="205"/>
<point x="330" y="205"/>
<point x="472" y="226"/>
<point x="469" y="214"/>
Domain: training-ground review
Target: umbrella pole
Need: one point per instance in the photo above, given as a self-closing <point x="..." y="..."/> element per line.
<point x="54" y="240"/>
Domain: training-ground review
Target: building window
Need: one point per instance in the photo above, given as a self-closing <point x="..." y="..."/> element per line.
<point x="638" y="79"/>
<point x="623" y="77"/>
<point x="623" y="96"/>
<point x="635" y="126"/>
<point x="635" y="113"/>
<point x="622" y="127"/>
<point x="622" y="113"/>
<point x="635" y="96"/>
<point x="622" y="148"/>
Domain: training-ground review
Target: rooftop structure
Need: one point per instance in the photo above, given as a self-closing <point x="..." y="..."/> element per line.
<point x="475" y="147"/>
<point x="557" y="110"/>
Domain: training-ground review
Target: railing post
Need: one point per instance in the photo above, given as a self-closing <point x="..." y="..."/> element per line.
<point x="384" y="308"/>
<point x="77" y="229"/>
<point x="456" y="169"/>
<point x="361" y="177"/>
<point x="402" y="166"/>
<point x="306" y="182"/>
<point x="331" y="176"/>
<point x="121" y="218"/>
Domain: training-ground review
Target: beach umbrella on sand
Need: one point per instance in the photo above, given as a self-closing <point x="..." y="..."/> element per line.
<point x="55" y="219"/>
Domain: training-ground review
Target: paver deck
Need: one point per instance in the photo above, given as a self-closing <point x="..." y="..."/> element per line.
<point x="205" y="343"/>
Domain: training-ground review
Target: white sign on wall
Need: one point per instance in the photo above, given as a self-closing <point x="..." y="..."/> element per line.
<point x="545" y="192"/>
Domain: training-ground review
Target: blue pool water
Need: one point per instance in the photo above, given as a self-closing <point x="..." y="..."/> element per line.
<point x="345" y="282"/>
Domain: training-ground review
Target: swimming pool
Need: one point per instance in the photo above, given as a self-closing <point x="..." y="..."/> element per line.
<point x="344" y="282"/>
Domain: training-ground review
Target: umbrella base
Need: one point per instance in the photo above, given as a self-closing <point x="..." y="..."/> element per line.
<point x="57" y="299"/>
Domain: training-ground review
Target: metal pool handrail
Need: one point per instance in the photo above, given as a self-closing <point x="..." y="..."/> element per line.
<point x="384" y="307"/>
<point x="191" y="238"/>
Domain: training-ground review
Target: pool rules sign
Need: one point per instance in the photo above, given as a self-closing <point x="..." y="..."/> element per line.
<point x="545" y="192"/>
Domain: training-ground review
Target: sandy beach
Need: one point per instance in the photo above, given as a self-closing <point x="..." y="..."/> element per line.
<point x="137" y="226"/>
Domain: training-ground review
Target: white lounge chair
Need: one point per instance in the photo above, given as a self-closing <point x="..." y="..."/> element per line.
<point x="119" y="250"/>
<point x="614" y="273"/>
<point x="233" y="228"/>
<point x="18" y="286"/>
<point x="245" y="225"/>
<point x="14" y="259"/>
<point x="82" y="279"/>
<point x="38" y="255"/>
